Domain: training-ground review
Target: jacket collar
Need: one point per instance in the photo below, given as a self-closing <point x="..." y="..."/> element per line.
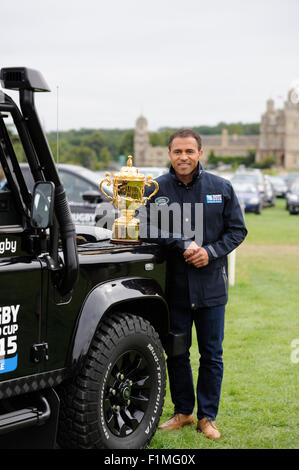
<point x="195" y="177"/>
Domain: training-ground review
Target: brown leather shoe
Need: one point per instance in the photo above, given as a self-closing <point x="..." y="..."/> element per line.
<point x="208" y="428"/>
<point x="177" y="421"/>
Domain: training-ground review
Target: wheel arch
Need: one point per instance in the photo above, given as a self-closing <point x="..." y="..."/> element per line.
<point x="139" y="296"/>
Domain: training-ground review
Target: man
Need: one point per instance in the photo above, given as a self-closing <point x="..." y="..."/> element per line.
<point x="197" y="275"/>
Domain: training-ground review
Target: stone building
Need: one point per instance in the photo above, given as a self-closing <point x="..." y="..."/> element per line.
<point x="226" y="145"/>
<point x="279" y="133"/>
<point x="144" y="153"/>
<point x="222" y="145"/>
<point x="279" y="138"/>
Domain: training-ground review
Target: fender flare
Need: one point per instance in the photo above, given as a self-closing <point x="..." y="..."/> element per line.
<point x="108" y="296"/>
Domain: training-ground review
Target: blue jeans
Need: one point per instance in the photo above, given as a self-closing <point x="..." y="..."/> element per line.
<point x="209" y="324"/>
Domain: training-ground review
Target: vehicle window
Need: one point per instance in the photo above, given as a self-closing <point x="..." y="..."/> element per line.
<point x="15" y="198"/>
<point x="8" y="213"/>
<point x="259" y="178"/>
<point x="14" y="138"/>
<point x="28" y="177"/>
<point x="244" y="188"/>
<point x="3" y="182"/>
<point x="74" y="186"/>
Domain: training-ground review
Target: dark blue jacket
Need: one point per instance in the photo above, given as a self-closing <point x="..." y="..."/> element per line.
<point x="222" y="231"/>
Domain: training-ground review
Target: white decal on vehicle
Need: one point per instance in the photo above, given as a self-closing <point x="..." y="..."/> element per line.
<point x="159" y="389"/>
<point x="8" y="245"/>
<point x="8" y="338"/>
<point x="83" y="218"/>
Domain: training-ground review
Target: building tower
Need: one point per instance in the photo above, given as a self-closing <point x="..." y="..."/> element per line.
<point x="279" y="133"/>
<point x="141" y="142"/>
<point x="292" y="130"/>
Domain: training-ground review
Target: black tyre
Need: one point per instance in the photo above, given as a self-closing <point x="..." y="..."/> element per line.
<point x="117" y="400"/>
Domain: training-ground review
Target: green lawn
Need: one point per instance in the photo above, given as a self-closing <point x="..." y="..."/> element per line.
<point x="259" y="405"/>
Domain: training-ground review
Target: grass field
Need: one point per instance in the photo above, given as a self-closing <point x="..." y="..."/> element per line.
<point x="259" y="406"/>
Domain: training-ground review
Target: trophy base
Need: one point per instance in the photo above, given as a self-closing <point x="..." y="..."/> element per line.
<point x="126" y="230"/>
<point x="124" y="241"/>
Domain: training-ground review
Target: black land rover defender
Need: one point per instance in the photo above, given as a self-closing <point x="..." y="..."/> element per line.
<point x="82" y="321"/>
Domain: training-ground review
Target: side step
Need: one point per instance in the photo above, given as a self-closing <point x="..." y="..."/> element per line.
<point x="19" y="419"/>
<point x="33" y="425"/>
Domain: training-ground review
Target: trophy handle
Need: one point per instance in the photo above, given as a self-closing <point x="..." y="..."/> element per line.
<point x="108" y="181"/>
<point x="149" y="182"/>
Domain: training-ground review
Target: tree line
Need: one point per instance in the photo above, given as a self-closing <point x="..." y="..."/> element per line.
<point x="99" y="149"/>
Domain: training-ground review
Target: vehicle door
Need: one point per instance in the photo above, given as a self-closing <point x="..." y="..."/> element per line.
<point x="21" y="287"/>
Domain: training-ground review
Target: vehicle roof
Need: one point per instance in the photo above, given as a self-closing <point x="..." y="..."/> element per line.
<point x="295" y="186"/>
<point x="79" y="170"/>
<point x="238" y="186"/>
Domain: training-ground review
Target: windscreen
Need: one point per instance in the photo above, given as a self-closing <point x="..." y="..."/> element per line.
<point x="11" y="154"/>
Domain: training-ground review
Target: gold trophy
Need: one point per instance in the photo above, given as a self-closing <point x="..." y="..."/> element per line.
<point x="128" y="195"/>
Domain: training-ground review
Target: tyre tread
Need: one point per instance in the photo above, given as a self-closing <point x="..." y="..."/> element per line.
<point x="79" y="416"/>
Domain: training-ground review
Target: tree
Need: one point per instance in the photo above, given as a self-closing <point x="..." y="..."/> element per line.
<point x="81" y="155"/>
<point x="212" y="159"/>
<point x="157" y="139"/>
<point x="126" y="146"/>
<point x="267" y="162"/>
<point x="250" y="159"/>
<point x="95" y="141"/>
<point x="17" y="146"/>
<point x="105" y="158"/>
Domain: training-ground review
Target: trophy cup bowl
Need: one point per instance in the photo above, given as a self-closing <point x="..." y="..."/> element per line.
<point x="128" y="196"/>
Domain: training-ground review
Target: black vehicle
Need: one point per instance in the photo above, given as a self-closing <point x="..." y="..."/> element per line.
<point x="81" y="185"/>
<point x="292" y="198"/>
<point x="82" y="321"/>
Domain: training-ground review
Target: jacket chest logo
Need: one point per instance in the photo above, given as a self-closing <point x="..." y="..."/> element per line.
<point x="162" y="201"/>
<point x="214" y="198"/>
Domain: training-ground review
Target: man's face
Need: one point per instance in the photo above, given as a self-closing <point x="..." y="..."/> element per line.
<point x="184" y="155"/>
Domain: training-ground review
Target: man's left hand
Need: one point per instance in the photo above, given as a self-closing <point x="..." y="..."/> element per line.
<point x="198" y="258"/>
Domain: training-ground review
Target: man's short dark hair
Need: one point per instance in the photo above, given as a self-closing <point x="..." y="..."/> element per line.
<point x="185" y="133"/>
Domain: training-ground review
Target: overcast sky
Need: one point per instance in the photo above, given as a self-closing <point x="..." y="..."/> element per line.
<point x="179" y="63"/>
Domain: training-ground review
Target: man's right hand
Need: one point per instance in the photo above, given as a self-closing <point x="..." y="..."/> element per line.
<point x="196" y="255"/>
<point x="191" y="250"/>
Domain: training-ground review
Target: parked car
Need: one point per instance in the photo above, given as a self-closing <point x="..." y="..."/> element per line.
<point x="226" y="175"/>
<point x="82" y="191"/>
<point x="290" y="178"/>
<point x="249" y="197"/>
<point x="293" y="198"/>
<point x="255" y="177"/>
<point x="279" y="185"/>
<point x="269" y="192"/>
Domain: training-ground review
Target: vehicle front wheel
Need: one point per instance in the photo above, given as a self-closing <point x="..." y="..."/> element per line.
<point x="117" y="400"/>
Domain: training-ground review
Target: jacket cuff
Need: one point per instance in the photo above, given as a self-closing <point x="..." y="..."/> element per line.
<point x="211" y="252"/>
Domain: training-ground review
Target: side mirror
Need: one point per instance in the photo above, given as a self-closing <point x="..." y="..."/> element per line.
<point x="92" y="196"/>
<point x="42" y="205"/>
